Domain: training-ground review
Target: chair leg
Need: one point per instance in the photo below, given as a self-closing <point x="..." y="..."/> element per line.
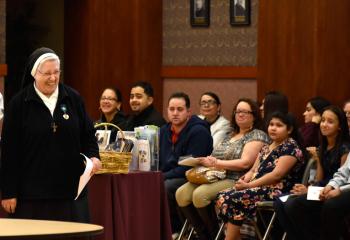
<point x="190" y="234"/>
<point x="269" y="227"/>
<point x="261" y="217"/>
<point x="284" y="236"/>
<point x="257" y="230"/>
<point x="220" y="231"/>
<point x="195" y="221"/>
<point x="183" y="229"/>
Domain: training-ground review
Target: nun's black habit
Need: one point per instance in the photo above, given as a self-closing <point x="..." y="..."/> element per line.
<point x="41" y="161"/>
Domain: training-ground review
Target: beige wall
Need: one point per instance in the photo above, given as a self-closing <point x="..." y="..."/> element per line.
<point x="218" y="45"/>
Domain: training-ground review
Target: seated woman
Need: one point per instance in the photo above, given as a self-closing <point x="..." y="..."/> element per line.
<point x="210" y="107"/>
<point x="237" y="154"/>
<point x="312" y="116"/>
<point x="110" y="106"/>
<point x="272" y="102"/>
<point x="331" y="154"/>
<point x="346" y="109"/>
<point x="275" y="171"/>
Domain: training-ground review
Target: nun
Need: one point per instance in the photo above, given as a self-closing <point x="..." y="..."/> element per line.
<point x="45" y="130"/>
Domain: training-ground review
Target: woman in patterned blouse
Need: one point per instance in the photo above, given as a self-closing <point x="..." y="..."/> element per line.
<point x="236" y="154"/>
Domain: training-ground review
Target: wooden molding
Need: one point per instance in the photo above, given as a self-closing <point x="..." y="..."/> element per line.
<point x="209" y="72"/>
<point x="3" y="70"/>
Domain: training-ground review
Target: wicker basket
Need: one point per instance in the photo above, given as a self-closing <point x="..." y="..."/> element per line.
<point x="114" y="162"/>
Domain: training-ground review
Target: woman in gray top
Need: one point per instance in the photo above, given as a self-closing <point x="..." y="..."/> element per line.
<point x="236" y="154"/>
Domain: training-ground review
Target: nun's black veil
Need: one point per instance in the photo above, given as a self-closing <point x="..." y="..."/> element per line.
<point x="27" y="77"/>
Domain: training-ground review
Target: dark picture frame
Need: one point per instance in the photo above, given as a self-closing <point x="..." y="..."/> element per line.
<point x="239" y="12"/>
<point x="200" y="13"/>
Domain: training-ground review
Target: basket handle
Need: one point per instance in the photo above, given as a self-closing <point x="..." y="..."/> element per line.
<point x="110" y="124"/>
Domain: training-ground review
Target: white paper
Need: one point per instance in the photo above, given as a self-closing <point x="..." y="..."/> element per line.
<point x="191" y="161"/>
<point x="313" y="193"/>
<point x="284" y="198"/>
<point x="85" y="177"/>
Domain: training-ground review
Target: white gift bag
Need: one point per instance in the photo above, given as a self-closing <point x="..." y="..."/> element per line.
<point x="144" y="156"/>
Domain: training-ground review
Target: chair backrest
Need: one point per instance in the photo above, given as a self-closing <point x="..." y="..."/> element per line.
<point x="310" y="164"/>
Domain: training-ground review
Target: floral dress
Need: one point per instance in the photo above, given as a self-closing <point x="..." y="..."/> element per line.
<point x="235" y="206"/>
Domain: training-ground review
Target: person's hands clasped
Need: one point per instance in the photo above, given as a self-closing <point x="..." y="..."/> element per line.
<point x="9" y="205"/>
<point x="313" y="152"/>
<point x="299" y="189"/>
<point x="96" y="165"/>
<point x="241" y="185"/>
<point x="247" y="177"/>
<point x="208" y="161"/>
<point x="329" y="192"/>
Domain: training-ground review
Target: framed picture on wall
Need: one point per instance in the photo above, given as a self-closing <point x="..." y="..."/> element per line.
<point x="239" y="12"/>
<point x="200" y="13"/>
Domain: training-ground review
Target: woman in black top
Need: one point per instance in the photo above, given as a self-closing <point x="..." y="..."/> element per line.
<point x="111" y="110"/>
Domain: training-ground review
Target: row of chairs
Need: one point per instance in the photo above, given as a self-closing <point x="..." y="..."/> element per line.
<point x="261" y="207"/>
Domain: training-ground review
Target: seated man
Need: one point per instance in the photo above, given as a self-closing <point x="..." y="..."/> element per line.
<point x="184" y="135"/>
<point x="141" y="103"/>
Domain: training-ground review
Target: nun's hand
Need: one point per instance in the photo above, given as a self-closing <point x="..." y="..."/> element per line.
<point x="9" y="205"/>
<point x="96" y="165"/>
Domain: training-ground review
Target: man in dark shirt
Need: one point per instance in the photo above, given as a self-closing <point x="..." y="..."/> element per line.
<point x="141" y="103"/>
<point x="184" y="135"/>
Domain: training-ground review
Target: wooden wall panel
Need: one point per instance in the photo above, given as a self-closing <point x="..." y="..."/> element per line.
<point x="3" y="70"/>
<point x="285" y="50"/>
<point x="303" y="50"/>
<point x="333" y="50"/>
<point x="112" y="43"/>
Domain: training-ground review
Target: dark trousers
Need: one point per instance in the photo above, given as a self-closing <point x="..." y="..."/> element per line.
<point x="54" y="209"/>
<point x="283" y="219"/>
<point x="171" y="185"/>
<point x="317" y="219"/>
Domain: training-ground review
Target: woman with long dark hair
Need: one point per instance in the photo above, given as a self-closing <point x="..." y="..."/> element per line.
<point x="331" y="154"/>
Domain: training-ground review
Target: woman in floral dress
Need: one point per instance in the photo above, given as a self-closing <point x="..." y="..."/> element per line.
<point x="278" y="166"/>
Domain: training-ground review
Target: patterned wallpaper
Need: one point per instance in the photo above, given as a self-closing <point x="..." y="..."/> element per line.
<point x="218" y="45"/>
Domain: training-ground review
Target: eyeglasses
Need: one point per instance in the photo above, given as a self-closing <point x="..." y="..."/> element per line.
<point x="47" y="74"/>
<point x="207" y="103"/>
<point x="109" y="99"/>
<point x="243" y="112"/>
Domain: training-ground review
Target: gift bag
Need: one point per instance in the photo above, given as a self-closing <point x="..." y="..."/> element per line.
<point x="144" y="156"/>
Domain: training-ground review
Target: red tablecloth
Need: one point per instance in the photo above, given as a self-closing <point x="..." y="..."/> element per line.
<point x="130" y="207"/>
